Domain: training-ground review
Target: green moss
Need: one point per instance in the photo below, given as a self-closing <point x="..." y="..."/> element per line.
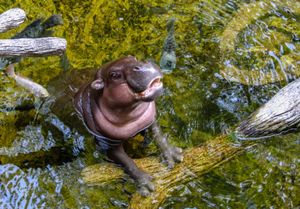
<point x="209" y="34"/>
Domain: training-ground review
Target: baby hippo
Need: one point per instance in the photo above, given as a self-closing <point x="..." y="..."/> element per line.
<point x="118" y="104"/>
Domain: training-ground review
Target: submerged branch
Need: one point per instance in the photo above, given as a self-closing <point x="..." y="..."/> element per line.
<point x="197" y="161"/>
<point x="278" y="116"/>
<point x="11" y="19"/>
<point x="32" y="47"/>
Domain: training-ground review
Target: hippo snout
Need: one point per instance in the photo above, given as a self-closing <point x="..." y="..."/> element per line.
<point x="141" y="76"/>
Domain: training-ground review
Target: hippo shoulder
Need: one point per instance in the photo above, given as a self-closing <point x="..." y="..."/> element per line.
<point x="83" y="107"/>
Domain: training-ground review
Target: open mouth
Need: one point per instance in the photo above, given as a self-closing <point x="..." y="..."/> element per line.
<point x="154" y="85"/>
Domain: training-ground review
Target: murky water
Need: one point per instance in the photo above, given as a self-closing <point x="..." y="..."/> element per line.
<point x="232" y="56"/>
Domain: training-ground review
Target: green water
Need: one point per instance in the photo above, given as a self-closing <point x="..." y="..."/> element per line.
<point x="232" y="56"/>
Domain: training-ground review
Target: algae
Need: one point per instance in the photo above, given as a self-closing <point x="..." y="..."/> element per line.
<point x="197" y="105"/>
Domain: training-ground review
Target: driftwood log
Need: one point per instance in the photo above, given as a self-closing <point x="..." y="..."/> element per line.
<point x="11" y="19"/>
<point x="278" y="116"/>
<point x="32" y="46"/>
<point x="197" y="161"/>
<point x="26" y="47"/>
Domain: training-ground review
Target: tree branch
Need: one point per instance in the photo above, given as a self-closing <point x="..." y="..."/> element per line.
<point x="11" y="19"/>
<point x="280" y="115"/>
<point x="32" y="47"/>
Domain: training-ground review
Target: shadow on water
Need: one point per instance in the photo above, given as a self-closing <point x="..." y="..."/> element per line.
<point x="232" y="56"/>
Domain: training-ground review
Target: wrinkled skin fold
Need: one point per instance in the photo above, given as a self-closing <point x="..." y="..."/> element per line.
<point x="118" y="104"/>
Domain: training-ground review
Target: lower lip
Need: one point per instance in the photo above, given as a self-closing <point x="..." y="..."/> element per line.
<point x="154" y="87"/>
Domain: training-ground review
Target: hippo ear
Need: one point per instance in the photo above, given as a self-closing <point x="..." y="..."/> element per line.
<point x="97" y="84"/>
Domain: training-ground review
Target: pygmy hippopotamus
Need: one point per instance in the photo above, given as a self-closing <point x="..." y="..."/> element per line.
<point x="118" y="104"/>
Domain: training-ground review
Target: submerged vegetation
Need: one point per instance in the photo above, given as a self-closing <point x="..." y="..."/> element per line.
<point x="273" y="55"/>
<point x="232" y="56"/>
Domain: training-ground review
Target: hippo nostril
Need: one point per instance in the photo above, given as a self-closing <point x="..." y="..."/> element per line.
<point x="137" y="68"/>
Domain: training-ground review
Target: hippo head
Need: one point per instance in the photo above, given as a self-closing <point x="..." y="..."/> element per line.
<point x="127" y="80"/>
<point x="119" y="101"/>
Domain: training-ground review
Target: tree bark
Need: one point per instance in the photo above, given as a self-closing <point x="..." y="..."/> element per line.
<point x="32" y="47"/>
<point x="197" y="161"/>
<point x="278" y="116"/>
<point x="11" y="19"/>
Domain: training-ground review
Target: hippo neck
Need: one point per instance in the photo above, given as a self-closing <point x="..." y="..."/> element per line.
<point x="123" y="123"/>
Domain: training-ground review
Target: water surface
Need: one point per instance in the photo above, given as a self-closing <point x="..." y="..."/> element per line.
<point x="232" y="56"/>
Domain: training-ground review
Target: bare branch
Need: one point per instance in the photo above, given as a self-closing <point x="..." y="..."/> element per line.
<point x="11" y="19"/>
<point x="32" y="47"/>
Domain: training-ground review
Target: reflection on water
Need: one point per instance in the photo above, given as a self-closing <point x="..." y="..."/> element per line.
<point x="232" y="56"/>
<point x="26" y="142"/>
<point x="41" y="188"/>
<point x="20" y="189"/>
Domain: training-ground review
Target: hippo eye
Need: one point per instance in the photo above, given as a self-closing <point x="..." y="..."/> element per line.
<point x="115" y="75"/>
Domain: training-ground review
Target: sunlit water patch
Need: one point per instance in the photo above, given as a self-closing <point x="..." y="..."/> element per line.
<point x="263" y="48"/>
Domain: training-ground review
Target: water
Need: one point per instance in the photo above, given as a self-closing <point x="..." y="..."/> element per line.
<point x="232" y="56"/>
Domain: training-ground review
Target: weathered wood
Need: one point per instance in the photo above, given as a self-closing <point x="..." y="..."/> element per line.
<point x="11" y="19"/>
<point x="32" y="47"/>
<point x="278" y="116"/>
<point x="197" y="161"/>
